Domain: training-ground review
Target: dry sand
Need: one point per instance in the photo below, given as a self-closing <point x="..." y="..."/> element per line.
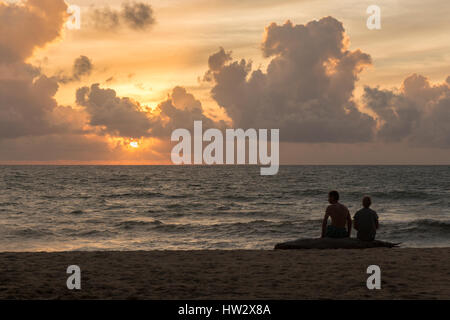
<point x="291" y="274"/>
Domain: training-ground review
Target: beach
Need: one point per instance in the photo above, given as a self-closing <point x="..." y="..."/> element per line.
<point x="406" y="273"/>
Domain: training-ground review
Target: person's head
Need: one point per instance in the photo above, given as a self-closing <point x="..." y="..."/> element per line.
<point x="366" y="202"/>
<point x="333" y="196"/>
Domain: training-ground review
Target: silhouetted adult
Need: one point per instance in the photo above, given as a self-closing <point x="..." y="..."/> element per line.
<point x="340" y="217"/>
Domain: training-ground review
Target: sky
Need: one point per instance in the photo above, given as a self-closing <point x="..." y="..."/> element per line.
<point x="113" y="91"/>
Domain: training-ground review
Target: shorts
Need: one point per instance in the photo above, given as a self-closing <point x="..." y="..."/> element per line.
<point x="335" y="232"/>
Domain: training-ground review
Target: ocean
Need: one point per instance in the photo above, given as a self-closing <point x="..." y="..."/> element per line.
<point x="59" y="208"/>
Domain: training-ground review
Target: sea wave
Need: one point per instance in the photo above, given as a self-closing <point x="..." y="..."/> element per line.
<point x="32" y="233"/>
<point x="404" y="195"/>
<point x="133" y="224"/>
<point x="137" y="207"/>
<point x="424" y="227"/>
<point x="137" y="194"/>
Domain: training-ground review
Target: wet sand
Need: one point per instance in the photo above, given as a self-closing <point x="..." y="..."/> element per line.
<point x="406" y="273"/>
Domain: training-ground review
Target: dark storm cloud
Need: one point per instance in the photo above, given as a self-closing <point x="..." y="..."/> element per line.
<point x="418" y="113"/>
<point x="307" y="90"/>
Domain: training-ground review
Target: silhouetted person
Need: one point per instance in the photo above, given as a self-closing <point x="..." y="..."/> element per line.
<point x="366" y="221"/>
<point x="340" y="216"/>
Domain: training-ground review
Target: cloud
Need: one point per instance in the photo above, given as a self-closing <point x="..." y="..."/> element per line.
<point x="29" y="25"/>
<point x="180" y="110"/>
<point x="136" y="15"/>
<point x="417" y="113"/>
<point x="307" y="90"/>
<point x="121" y="116"/>
<point x="27" y="104"/>
<point x="82" y="66"/>
<point x="105" y="18"/>
<point x="114" y="115"/>
<point x="216" y="62"/>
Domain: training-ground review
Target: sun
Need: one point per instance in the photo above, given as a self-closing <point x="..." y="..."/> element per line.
<point x="134" y="144"/>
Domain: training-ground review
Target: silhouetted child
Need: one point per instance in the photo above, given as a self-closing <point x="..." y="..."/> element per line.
<point x="366" y="221"/>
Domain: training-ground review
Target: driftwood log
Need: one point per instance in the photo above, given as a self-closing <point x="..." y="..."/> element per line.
<point x="332" y="243"/>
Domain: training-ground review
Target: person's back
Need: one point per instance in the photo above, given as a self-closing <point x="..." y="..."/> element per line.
<point x="338" y="214"/>
<point x="340" y="218"/>
<point x="366" y="221"/>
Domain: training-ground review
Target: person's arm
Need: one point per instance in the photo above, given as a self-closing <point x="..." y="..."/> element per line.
<point x="376" y="221"/>
<point x="324" y="224"/>
<point x="349" y="224"/>
<point x="355" y="223"/>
